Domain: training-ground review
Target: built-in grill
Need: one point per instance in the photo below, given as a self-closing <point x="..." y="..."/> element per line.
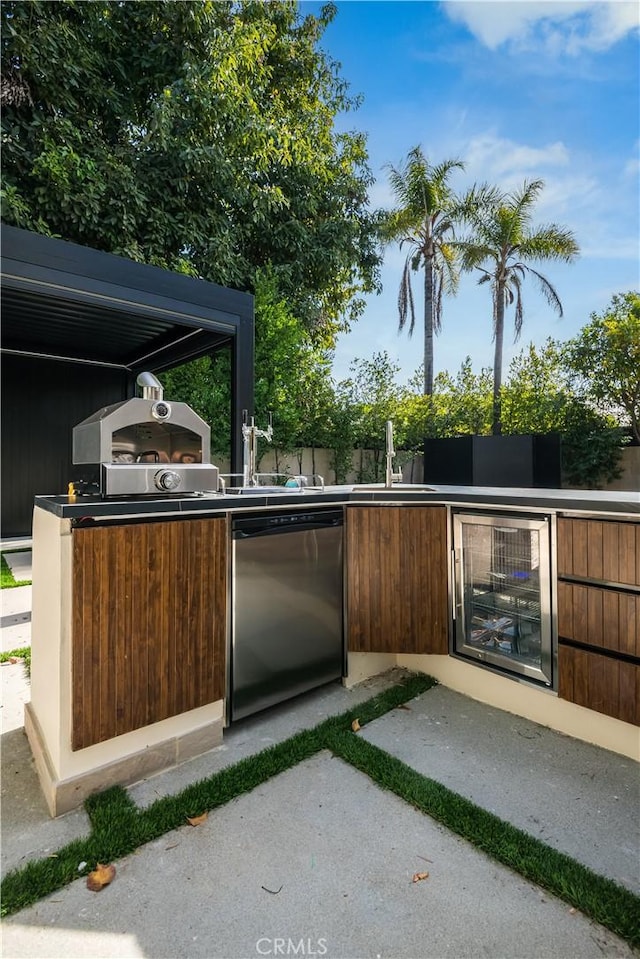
<point x="147" y="446"/>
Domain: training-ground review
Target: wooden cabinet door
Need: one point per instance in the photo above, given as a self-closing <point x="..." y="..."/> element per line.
<point x="396" y="562"/>
<point x="148" y="626"/>
<point x="599" y="615"/>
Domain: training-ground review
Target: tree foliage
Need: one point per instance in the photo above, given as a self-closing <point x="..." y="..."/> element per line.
<point x="196" y="136"/>
<point x="373" y="397"/>
<point x="539" y="397"/>
<point x="423" y="222"/>
<point x="502" y="245"/>
<point x="292" y="378"/>
<point x="606" y="356"/>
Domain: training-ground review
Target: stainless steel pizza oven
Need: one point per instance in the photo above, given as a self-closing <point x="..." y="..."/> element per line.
<point x="147" y="446"/>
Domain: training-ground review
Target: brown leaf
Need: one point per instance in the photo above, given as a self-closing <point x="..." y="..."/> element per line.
<point x="355" y="725"/>
<point x="100" y="877"/>
<point x="197" y="820"/>
<point x="418" y="876"/>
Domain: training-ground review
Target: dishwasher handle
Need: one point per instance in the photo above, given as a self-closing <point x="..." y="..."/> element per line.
<point x="281" y="530"/>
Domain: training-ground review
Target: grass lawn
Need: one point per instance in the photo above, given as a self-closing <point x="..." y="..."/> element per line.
<point x="7" y="580"/>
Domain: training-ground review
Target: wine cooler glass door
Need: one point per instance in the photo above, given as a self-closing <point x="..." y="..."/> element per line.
<point x="503" y="594"/>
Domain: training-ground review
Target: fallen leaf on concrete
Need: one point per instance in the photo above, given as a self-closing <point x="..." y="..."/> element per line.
<point x="355" y="725"/>
<point x="100" y="877"/>
<point x="197" y="820"/>
<point x="419" y="876"/>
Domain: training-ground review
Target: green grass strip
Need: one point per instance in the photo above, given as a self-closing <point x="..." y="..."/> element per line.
<point x="23" y="653"/>
<point x="119" y="827"/>
<point x="7" y="579"/>
<point x="597" y="897"/>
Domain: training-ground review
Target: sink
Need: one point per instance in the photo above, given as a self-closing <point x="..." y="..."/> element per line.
<point x="265" y="490"/>
<point x="396" y="488"/>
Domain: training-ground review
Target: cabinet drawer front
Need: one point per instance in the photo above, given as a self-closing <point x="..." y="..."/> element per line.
<point x="604" y="618"/>
<point x="601" y="683"/>
<point x="599" y="550"/>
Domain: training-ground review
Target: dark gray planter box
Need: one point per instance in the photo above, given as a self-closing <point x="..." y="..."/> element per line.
<point x="526" y="461"/>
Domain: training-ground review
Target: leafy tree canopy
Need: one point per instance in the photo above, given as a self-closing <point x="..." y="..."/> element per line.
<point x="196" y="136"/>
<point x="292" y="378"/>
<point x="606" y="356"/>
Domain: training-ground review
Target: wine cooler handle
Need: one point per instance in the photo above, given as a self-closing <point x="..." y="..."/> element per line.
<point x="456" y="572"/>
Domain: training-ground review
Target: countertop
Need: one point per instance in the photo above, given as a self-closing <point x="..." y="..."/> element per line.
<point x="93" y="507"/>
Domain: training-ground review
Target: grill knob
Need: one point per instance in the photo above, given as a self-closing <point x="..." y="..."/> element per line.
<point x="167" y="480"/>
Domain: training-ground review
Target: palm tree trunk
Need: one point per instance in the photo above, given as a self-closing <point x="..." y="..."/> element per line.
<point x="428" y="326"/>
<point x="497" y="361"/>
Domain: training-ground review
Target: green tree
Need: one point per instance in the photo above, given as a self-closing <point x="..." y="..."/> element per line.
<point x="423" y="221"/>
<point x="502" y="245"/>
<point x="462" y="405"/>
<point x="373" y="397"/>
<point x="540" y="397"/>
<point x="292" y="374"/>
<point x="606" y="356"/>
<point x="196" y="136"/>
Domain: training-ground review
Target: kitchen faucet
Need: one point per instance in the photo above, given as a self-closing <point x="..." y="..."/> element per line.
<point x="250" y="434"/>
<point x="390" y="476"/>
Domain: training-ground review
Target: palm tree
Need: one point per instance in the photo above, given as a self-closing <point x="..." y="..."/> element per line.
<point x="424" y="221"/>
<point x="501" y="243"/>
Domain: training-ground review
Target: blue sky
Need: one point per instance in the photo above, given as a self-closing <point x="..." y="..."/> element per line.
<point x="518" y="90"/>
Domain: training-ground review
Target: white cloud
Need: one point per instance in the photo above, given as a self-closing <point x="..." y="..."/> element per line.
<point x="553" y="25"/>
<point x="489" y="157"/>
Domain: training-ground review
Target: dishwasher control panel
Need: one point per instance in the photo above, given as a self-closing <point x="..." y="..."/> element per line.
<point x="264" y="521"/>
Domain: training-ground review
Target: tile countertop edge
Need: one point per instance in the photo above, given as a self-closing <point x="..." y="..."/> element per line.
<point x="569" y="501"/>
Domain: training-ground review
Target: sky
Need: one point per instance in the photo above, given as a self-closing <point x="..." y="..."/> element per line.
<point x="517" y="90"/>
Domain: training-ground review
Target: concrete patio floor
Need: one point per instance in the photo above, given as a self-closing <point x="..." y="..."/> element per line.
<point x="319" y="860"/>
<point x="322" y="856"/>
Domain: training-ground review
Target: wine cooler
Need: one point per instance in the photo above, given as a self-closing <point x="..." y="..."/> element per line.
<point x="502" y="593"/>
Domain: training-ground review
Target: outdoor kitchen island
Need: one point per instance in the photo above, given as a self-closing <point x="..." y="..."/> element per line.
<point x="131" y="618"/>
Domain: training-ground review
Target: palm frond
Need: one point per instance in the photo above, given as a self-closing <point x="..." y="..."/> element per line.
<point x="437" y="307"/>
<point x="548" y="290"/>
<point x="406" y="307"/>
<point x="523" y="199"/>
<point x="516" y="283"/>
<point x="550" y="242"/>
<point x="473" y="254"/>
<point x="448" y="265"/>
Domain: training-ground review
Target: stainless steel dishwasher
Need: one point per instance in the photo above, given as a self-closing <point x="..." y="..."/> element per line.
<point x="287" y="634"/>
